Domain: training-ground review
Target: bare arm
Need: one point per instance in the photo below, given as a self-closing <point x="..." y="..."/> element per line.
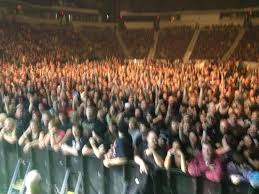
<point x="158" y="159"/>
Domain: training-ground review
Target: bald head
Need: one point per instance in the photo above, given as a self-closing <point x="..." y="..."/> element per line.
<point x="32" y="182"/>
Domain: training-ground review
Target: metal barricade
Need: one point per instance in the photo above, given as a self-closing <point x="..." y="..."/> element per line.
<point x="83" y="175"/>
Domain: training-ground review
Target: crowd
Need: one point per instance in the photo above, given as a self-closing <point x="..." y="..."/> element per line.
<point x="138" y="42"/>
<point x="248" y="48"/>
<point x="173" y="42"/>
<point x="214" y="41"/>
<point x="202" y="120"/>
<point x="20" y="43"/>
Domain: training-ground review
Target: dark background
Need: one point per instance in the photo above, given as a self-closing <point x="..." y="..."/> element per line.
<point x="153" y="5"/>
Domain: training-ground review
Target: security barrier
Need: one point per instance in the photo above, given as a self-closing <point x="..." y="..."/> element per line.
<point x="67" y="174"/>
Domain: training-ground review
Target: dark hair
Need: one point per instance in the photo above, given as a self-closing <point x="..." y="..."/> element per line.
<point x="231" y="141"/>
<point x="123" y="127"/>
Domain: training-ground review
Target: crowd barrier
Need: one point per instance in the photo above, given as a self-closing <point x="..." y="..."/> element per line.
<point x="87" y="175"/>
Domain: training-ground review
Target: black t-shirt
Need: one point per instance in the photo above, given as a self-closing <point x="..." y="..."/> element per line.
<point x="238" y="132"/>
<point x="66" y="126"/>
<point x="103" y="142"/>
<point x="92" y="125"/>
<point x="76" y="143"/>
<point x="149" y="160"/>
<point x="21" y="125"/>
<point x="123" y="147"/>
<point x="171" y="137"/>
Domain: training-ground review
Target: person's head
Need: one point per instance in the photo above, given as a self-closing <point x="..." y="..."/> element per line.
<point x="19" y="112"/>
<point x="174" y="126"/>
<point x="163" y="108"/>
<point x="62" y="117"/>
<point x="162" y="140"/>
<point x="101" y="115"/>
<point x="193" y="138"/>
<point x="257" y="96"/>
<point x="53" y="125"/>
<point x="152" y="139"/>
<point x="74" y="117"/>
<point x="3" y="117"/>
<point x="224" y="102"/>
<point x="36" y="116"/>
<point x="143" y="105"/>
<point x="122" y="128"/>
<point x="177" y="144"/>
<point x="248" y="141"/>
<point x="91" y="112"/>
<point x="9" y="124"/>
<point x="253" y="129"/>
<point x="77" y="130"/>
<point x="34" y="126"/>
<point x="229" y="140"/>
<point x="41" y="107"/>
<point x="112" y="127"/>
<point x="232" y="119"/>
<point x="143" y="131"/>
<point x="207" y="152"/>
<point x="112" y="110"/>
<point x="132" y="123"/>
<point x="46" y="118"/>
<point x="254" y="116"/>
<point x="211" y="108"/>
<point x="193" y="101"/>
<point x="33" y="182"/>
<point x="138" y="113"/>
<point x="186" y="127"/>
<point x="223" y="126"/>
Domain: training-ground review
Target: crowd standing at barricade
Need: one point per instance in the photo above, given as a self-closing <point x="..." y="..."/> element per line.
<point x="202" y="120"/>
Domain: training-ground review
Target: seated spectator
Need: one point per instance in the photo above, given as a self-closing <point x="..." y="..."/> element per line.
<point x="74" y="145"/>
<point x="206" y="164"/>
<point x="31" y="137"/>
<point x="7" y="133"/>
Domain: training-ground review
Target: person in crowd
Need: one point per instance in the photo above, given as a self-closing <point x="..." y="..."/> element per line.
<point x="96" y="145"/>
<point x="240" y="171"/>
<point x="122" y="150"/>
<point x="175" y="157"/>
<point x="81" y="105"/>
<point x="31" y="137"/>
<point x="3" y="117"/>
<point x="22" y="120"/>
<point x="207" y="164"/>
<point x="33" y="182"/>
<point x="74" y="145"/>
<point x="150" y="155"/>
<point x="7" y="133"/>
<point x="55" y="135"/>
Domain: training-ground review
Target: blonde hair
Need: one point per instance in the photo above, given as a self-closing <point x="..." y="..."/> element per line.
<point x="3" y="117"/>
<point x="9" y="121"/>
<point x="32" y="182"/>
